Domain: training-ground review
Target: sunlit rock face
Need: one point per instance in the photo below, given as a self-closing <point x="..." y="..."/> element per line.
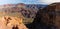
<point x="9" y="22"/>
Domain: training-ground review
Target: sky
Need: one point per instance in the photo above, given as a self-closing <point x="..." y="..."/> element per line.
<point x="48" y="1"/>
<point x="28" y="1"/>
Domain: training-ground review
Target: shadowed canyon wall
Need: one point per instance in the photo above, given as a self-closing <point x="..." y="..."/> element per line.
<point x="47" y="18"/>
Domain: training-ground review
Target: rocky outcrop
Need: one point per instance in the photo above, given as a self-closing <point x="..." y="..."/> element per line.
<point x="9" y="22"/>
